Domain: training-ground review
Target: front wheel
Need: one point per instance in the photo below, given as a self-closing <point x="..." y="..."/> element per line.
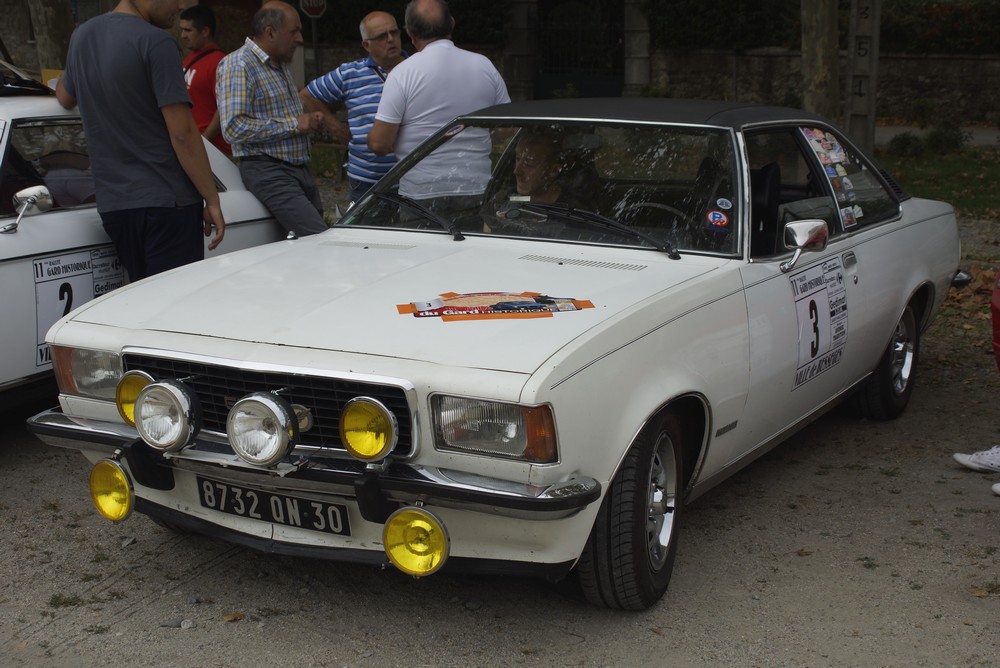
<point x="885" y="394"/>
<point x="629" y="556"/>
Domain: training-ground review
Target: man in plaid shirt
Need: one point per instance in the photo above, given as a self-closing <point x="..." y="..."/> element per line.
<point x="269" y="132"/>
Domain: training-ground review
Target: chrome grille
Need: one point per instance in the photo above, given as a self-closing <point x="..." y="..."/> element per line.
<point x="219" y="387"/>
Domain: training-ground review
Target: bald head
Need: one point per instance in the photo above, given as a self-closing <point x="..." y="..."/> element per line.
<point x="428" y="20"/>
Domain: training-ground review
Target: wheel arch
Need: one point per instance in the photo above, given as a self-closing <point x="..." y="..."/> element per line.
<point x="693" y="416"/>
<point x="920" y="302"/>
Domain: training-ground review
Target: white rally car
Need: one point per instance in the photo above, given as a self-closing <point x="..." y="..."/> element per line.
<point x="57" y="256"/>
<point x="547" y="329"/>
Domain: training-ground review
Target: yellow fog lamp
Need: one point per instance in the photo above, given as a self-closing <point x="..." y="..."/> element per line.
<point x="415" y="541"/>
<point x="262" y="428"/>
<point x="367" y="429"/>
<point x="127" y="391"/>
<point x="167" y="415"/>
<point x="111" y="490"/>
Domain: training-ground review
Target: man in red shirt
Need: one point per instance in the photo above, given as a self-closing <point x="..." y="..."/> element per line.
<point x="198" y="36"/>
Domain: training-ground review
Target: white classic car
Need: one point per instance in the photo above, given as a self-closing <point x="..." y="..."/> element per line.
<point x="56" y="256"/>
<point x="549" y="327"/>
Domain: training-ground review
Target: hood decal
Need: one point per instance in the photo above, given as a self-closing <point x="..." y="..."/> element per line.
<point x="452" y="306"/>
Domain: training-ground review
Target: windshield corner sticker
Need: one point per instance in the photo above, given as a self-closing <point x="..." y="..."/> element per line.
<point x="452" y="306"/>
<point x="717" y="220"/>
<point x="63" y="282"/>
<point x="821" y="310"/>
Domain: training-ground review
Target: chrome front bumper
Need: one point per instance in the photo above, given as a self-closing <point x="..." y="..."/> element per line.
<point x="378" y="492"/>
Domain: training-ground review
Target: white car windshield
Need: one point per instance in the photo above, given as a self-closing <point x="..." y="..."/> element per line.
<point x="669" y="187"/>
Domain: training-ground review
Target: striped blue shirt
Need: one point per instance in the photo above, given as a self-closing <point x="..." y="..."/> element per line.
<point x="358" y="86"/>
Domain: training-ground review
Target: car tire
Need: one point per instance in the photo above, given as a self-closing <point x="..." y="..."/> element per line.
<point x="629" y="556"/>
<point x="885" y="394"/>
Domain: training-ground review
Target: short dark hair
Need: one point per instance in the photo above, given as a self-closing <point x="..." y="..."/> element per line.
<point x="428" y="24"/>
<point x="268" y="17"/>
<point x="200" y="17"/>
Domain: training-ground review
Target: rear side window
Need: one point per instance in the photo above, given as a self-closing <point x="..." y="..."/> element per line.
<point x="861" y="197"/>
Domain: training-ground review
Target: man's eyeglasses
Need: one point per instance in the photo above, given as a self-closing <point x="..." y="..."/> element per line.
<point x="384" y="36"/>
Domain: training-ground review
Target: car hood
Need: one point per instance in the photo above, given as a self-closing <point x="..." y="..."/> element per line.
<point x="375" y="292"/>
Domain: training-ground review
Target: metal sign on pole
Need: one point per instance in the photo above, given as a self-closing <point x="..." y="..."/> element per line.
<point x="314" y="9"/>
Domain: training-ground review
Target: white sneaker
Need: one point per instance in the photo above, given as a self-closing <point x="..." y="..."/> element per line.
<point x="985" y="460"/>
<point x="996" y="489"/>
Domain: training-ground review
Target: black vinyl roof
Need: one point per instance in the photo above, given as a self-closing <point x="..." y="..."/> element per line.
<point x="650" y="110"/>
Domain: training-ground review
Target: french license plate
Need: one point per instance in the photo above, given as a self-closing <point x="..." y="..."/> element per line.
<point x="277" y="508"/>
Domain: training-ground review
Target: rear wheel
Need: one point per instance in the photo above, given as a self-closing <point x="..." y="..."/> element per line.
<point x="629" y="555"/>
<point x="885" y="394"/>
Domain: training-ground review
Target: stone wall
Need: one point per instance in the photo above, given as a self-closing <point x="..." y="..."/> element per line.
<point x="967" y="86"/>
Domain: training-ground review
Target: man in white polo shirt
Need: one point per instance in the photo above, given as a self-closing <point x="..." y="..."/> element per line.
<point x="426" y="91"/>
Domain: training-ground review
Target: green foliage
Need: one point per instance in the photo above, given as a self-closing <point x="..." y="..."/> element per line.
<point x="906" y="145"/>
<point x="907" y="26"/>
<point x="684" y="25"/>
<point x="948" y="137"/>
<point x="475" y="22"/>
<point x="946" y="26"/>
<point x="963" y="178"/>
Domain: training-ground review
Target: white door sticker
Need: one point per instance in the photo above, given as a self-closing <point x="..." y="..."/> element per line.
<point x="821" y="310"/>
<point x="64" y="282"/>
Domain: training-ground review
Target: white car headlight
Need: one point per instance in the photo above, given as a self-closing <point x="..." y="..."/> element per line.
<point x="87" y="373"/>
<point x="167" y="415"/>
<point x="262" y="428"/>
<point x="494" y="429"/>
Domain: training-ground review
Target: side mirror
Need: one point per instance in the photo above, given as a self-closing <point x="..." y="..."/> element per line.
<point x="36" y="199"/>
<point x="804" y="235"/>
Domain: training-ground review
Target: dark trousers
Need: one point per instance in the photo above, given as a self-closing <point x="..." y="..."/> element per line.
<point x="156" y="239"/>
<point x="288" y="191"/>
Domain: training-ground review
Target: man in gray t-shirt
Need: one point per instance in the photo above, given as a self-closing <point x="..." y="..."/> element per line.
<point x="155" y="191"/>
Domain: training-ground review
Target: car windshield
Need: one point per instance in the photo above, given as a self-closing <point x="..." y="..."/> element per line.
<point x="665" y="187"/>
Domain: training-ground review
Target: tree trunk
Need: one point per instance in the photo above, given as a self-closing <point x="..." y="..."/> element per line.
<point x="820" y="58"/>
<point x="52" y="21"/>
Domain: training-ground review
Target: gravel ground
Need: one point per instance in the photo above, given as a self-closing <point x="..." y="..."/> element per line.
<point x="852" y="544"/>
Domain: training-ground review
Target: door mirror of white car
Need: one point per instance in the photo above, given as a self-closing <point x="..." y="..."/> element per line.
<point x="35" y="199"/>
<point x="804" y="235"/>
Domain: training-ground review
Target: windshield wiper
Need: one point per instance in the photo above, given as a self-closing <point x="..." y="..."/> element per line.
<point x="584" y="216"/>
<point x="424" y="212"/>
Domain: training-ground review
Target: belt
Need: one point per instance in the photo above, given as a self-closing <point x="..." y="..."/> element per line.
<point x="265" y="158"/>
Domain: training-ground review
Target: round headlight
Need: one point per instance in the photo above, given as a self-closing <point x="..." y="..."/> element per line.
<point x="167" y="415"/>
<point x="111" y="490"/>
<point x="415" y="541"/>
<point x="126" y="392"/>
<point x="367" y="429"/>
<point x="262" y="428"/>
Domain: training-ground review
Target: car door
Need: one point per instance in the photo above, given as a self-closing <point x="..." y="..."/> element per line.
<point x="804" y="323"/>
<point x="51" y="261"/>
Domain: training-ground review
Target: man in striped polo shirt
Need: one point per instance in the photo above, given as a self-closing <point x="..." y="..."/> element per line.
<point x="358" y="86"/>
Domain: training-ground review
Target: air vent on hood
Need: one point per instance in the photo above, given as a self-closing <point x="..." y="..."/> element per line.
<point x="353" y="244"/>
<point x="596" y="264"/>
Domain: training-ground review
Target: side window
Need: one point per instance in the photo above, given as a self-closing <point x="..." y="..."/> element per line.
<point x="52" y="153"/>
<point x="783" y="187"/>
<point x="861" y="197"/>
